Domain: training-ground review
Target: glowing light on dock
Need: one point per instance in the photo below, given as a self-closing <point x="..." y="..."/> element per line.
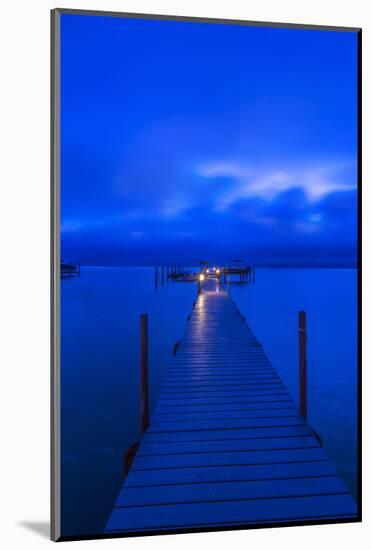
<point x="202" y="277"/>
<point x="218" y="271"/>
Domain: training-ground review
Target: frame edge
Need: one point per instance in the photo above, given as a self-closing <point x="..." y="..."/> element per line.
<point x="55" y="470"/>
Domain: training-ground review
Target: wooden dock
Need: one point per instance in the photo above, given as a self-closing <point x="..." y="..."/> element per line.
<point x="69" y="270"/>
<point x="226" y="445"/>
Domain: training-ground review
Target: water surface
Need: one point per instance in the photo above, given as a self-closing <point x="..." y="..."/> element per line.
<point x="100" y="366"/>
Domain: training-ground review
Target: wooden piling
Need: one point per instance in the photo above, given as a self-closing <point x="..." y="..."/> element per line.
<point x="162" y="275"/>
<point x="175" y="347"/>
<point x="303" y="363"/>
<point x="144" y="408"/>
<point x="156" y="276"/>
<point x="129" y="457"/>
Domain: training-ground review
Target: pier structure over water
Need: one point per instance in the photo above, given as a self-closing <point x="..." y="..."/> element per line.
<point x="237" y="272"/>
<point x="70" y="270"/>
<point x="226" y="444"/>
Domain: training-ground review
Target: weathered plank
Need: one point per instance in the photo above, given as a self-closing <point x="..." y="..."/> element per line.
<point x="239" y="415"/>
<point x="158" y="478"/>
<point x="235" y="512"/>
<point x="177" y="447"/>
<point x="237" y="490"/>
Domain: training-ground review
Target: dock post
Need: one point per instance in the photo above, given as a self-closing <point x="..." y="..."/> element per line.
<point x="156" y="276"/>
<point x="129" y="457"/>
<point x="303" y="363"/>
<point x="162" y="275"/>
<point x="144" y="409"/>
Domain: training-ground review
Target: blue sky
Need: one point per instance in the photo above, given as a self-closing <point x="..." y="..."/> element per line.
<point x="191" y="141"/>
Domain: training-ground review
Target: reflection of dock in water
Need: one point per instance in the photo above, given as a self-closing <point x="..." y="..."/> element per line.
<point x="226" y="444"/>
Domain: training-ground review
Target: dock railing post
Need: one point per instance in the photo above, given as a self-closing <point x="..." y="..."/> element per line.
<point x="303" y="363"/>
<point x="144" y="409"/>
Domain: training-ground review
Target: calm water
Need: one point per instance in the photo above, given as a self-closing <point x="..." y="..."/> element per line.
<point x="100" y="366"/>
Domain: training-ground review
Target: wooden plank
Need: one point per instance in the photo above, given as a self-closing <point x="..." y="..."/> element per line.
<point x="238" y="490"/>
<point x="217" y="386"/>
<point x="224" y="424"/>
<point x="218" y="474"/>
<point x="236" y="399"/>
<point x="220" y="390"/>
<point x="178" y="447"/>
<point x="292" y="429"/>
<point x="197" y="460"/>
<point x="161" y="410"/>
<point x="218" y="393"/>
<point x="225" y="363"/>
<point x="239" y="414"/>
<point x="243" y="433"/>
<point x="195" y="377"/>
<point x="216" y="371"/>
<point x="236" y="512"/>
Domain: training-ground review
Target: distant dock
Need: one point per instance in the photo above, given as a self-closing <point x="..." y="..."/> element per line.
<point x="226" y="444"/>
<point x="69" y="270"/>
<point x="236" y="273"/>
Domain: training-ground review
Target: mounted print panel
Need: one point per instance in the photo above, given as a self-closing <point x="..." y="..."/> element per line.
<point x="205" y="340"/>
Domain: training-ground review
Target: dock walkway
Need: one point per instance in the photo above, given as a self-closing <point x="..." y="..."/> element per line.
<point x="226" y="445"/>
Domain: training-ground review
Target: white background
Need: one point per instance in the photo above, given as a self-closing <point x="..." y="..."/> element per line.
<point x="24" y="272"/>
